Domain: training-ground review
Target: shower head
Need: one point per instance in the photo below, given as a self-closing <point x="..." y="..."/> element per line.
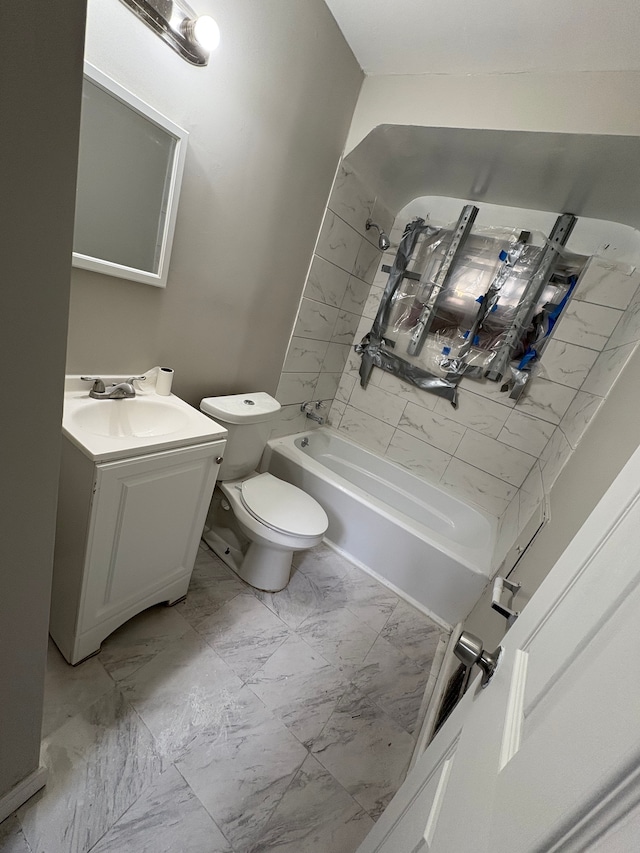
<point x="383" y="239"/>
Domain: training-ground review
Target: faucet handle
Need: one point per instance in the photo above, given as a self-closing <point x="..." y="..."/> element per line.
<point x="98" y="384"/>
<point x="320" y="404"/>
<point x="132" y="379"/>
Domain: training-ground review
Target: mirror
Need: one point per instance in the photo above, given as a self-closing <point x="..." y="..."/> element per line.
<point x="130" y="168"/>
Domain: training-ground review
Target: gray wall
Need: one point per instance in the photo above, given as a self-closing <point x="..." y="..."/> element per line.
<point x="267" y="118"/>
<point x="554" y="101"/>
<point x="40" y="69"/>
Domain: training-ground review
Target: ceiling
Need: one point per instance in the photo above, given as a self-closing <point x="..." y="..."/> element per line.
<point x="491" y="37"/>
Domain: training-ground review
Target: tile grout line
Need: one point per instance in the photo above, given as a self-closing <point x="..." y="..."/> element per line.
<point x="325" y="769"/>
<point x="354" y="689"/>
<point x="177" y="769"/>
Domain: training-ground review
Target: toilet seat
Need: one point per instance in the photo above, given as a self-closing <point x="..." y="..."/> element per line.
<point x="283" y="507"/>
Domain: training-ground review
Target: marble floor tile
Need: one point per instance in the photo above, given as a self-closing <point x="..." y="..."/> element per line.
<point x="99" y="763"/>
<point x="321" y="558"/>
<point x="413" y="633"/>
<point x="327" y="572"/>
<point x="182" y="754"/>
<point x="299" y="599"/>
<point x="240" y="769"/>
<point x="394" y="682"/>
<point x="212" y="585"/>
<point x="343" y="585"/>
<point x="316" y="815"/>
<point x="70" y="689"/>
<point x="244" y="633"/>
<point x="12" y="838"/>
<point x="140" y="639"/>
<point x="371" y="601"/>
<point x="365" y="750"/>
<point x="339" y="636"/>
<point x="167" y="818"/>
<point x="184" y="689"/>
<point x="299" y="687"/>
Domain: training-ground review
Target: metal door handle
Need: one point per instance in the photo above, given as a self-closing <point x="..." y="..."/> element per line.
<point x="498" y="586"/>
<point x="469" y="650"/>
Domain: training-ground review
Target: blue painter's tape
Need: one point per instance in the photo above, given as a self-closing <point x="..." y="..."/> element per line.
<point x="529" y="355"/>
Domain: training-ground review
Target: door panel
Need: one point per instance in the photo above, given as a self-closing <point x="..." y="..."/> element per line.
<point x="411" y="820"/>
<point x="547" y="755"/>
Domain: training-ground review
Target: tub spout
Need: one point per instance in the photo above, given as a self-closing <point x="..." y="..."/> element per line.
<point x="308" y="409"/>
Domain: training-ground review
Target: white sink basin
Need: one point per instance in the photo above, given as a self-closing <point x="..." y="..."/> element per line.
<point x="140" y="417"/>
<point x="105" y="430"/>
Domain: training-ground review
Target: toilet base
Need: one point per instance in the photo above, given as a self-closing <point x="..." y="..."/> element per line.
<point x="265" y="568"/>
<point x="259" y="555"/>
<point x="262" y="567"/>
<point x="230" y="556"/>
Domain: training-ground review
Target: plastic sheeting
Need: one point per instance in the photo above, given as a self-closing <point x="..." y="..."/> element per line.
<point x="374" y="347"/>
<point x="475" y="308"/>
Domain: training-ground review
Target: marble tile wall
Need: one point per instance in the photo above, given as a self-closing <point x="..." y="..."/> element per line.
<point x="601" y="282"/>
<point x="500" y="455"/>
<point x="344" y="264"/>
<point x="592" y="372"/>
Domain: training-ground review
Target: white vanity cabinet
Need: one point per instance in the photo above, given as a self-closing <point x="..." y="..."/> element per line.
<point x="127" y="537"/>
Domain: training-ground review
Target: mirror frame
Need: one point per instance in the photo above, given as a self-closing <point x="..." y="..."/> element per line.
<point x="159" y="278"/>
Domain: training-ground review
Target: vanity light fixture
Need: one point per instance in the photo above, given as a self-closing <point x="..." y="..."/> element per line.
<point x="193" y="37"/>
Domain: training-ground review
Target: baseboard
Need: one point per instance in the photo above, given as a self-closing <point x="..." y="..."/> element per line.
<point x="21" y="792"/>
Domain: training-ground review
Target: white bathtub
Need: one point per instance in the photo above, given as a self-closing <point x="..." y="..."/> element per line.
<point x="427" y="545"/>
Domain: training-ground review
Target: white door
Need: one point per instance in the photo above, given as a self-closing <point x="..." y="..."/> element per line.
<point x="547" y="757"/>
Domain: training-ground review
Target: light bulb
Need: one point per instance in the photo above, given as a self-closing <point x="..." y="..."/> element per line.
<point x="206" y="32"/>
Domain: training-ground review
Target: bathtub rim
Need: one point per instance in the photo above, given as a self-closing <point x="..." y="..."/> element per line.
<point x="483" y="568"/>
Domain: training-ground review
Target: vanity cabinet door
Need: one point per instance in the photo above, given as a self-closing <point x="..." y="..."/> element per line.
<point x="146" y="520"/>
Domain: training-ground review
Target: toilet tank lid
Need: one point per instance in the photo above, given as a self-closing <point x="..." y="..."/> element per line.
<point x="241" y="408"/>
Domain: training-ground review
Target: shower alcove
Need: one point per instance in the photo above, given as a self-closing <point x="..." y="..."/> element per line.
<point x="499" y="454"/>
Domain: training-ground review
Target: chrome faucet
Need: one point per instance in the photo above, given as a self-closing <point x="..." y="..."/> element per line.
<point x="308" y="409"/>
<point x="119" y="391"/>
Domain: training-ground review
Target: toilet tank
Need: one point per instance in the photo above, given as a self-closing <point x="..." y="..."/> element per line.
<point x="247" y="417"/>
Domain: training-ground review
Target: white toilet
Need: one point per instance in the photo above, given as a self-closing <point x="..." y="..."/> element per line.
<point x="256" y="521"/>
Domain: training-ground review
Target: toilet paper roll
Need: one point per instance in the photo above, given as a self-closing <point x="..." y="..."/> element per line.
<point x="164" y="380"/>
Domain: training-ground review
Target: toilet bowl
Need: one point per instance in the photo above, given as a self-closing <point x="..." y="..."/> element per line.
<point x="256" y="521"/>
<point x="277" y="519"/>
